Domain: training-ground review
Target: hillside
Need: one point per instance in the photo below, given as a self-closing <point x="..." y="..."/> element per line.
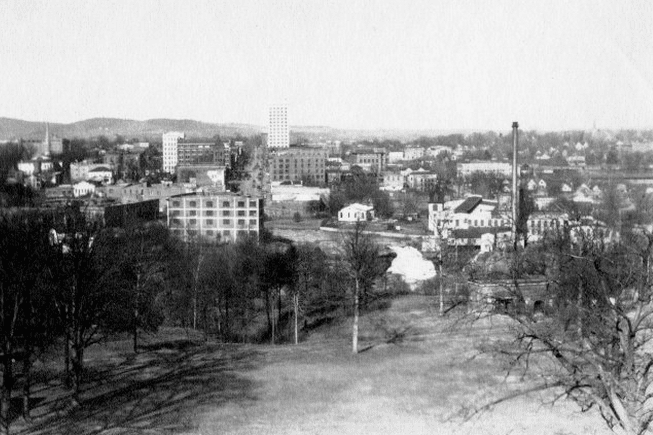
<point x="128" y="128"/>
<point x="419" y="372"/>
<point x="152" y="129"/>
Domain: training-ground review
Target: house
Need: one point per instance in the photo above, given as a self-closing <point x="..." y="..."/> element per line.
<point x="470" y="212"/>
<point x="83" y="188"/>
<point x="421" y="180"/>
<point x="392" y="181"/>
<point x="531" y="185"/>
<point x="356" y="212"/>
<point x="395" y="156"/>
<point x="413" y="153"/>
<point x="100" y="174"/>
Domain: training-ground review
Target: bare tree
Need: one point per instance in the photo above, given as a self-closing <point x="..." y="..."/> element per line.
<point x="594" y="344"/>
<point x="23" y="250"/>
<point x="360" y="256"/>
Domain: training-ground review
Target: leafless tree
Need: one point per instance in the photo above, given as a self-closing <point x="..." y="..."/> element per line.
<point x="594" y="342"/>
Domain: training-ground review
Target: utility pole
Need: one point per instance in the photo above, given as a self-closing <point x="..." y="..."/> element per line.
<point x="515" y="175"/>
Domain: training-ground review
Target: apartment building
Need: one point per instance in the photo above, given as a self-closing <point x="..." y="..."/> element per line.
<point x="215" y="217"/>
<point x="298" y="164"/>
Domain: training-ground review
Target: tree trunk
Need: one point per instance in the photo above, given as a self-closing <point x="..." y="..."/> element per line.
<point x="296" y="309"/>
<point x="27" y="375"/>
<point x="441" y="291"/>
<point x="78" y="370"/>
<point x="135" y="331"/>
<point x="7" y="387"/>
<point x="67" y="360"/>
<point x="354" y="335"/>
<point x="27" y="362"/>
<point x="268" y="309"/>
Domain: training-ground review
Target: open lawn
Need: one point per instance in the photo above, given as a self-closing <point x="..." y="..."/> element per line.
<point x="415" y="377"/>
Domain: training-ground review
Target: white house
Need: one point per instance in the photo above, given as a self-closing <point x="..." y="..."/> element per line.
<point x="101" y="174"/>
<point x="83" y="188"/>
<point x="356" y="212"/>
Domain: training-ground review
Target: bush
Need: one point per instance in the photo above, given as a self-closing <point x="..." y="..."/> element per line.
<point x="297" y="217"/>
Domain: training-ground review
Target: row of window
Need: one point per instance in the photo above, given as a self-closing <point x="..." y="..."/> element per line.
<point x="214" y="222"/>
<point x="225" y="213"/>
<point x="211" y="204"/>
<point x="225" y="235"/>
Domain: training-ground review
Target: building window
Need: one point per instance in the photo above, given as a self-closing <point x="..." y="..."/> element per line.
<point x="208" y="212"/>
<point x="192" y="204"/>
<point x="209" y="204"/>
<point x="209" y="232"/>
<point x="175" y="203"/>
<point x="241" y="212"/>
<point x="192" y="221"/>
<point x="241" y="221"/>
<point x="241" y="204"/>
<point x="192" y="213"/>
<point x="252" y="203"/>
<point x="209" y="222"/>
<point x="252" y="212"/>
<point x="226" y="213"/>
<point x="176" y="222"/>
<point x="225" y="204"/>
<point x="226" y="222"/>
<point x="176" y="213"/>
<point x="252" y="222"/>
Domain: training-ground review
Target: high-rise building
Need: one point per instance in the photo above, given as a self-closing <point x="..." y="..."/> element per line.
<point x="170" y="141"/>
<point x="278" y="132"/>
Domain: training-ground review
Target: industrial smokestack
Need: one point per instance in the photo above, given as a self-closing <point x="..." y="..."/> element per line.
<point x="515" y="175"/>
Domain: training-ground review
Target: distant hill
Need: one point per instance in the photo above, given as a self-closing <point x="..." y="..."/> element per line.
<point x="128" y="128"/>
<point x="152" y="129"/>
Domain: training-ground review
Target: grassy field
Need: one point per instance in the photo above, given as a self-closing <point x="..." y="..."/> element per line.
<point x="418" y="384"/>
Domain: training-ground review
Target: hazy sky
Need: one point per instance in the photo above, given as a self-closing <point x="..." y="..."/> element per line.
<point x="363" y="64"/>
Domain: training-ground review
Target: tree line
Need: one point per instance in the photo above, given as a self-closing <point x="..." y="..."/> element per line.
<point x="67" y="283"/>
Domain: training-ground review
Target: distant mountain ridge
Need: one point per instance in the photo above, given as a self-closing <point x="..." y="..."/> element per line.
<point x="11" y="129"/>
<point x="152" y="129"/>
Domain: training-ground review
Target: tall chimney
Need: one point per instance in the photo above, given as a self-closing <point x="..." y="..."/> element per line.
<point x="515" y="175"/>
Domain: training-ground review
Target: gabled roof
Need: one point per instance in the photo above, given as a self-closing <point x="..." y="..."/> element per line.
<point x="358" y="207"/>
<point x="100" y="169"/>
<point x="469" y="204"/>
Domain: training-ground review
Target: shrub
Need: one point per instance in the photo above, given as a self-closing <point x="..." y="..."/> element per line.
<point x="297" y="217"/>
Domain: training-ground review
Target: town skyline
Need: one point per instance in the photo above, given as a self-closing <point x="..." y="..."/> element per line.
<point x="381" y="65"/>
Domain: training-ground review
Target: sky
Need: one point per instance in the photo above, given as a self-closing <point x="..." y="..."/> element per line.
<point x="431" y="64"/>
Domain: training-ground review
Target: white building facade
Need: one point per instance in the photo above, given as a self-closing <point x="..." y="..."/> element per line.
<point x="278" y="131"/>
<point x="170" y="141"/>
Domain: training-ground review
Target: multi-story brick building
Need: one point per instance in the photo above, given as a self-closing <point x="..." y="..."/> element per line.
<point x="376" y="159"/>
<point x="215" y="217"/>
<point x="298" y="164"/>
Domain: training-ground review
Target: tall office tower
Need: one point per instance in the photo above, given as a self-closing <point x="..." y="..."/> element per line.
<point x="170" y="141"/>
<point x="278" y="133"/>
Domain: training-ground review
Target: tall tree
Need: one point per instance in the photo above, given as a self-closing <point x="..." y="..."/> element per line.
<point x="360" y="254"/>
<point x="23" y="249"/>
<point x="83" y="267"/>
